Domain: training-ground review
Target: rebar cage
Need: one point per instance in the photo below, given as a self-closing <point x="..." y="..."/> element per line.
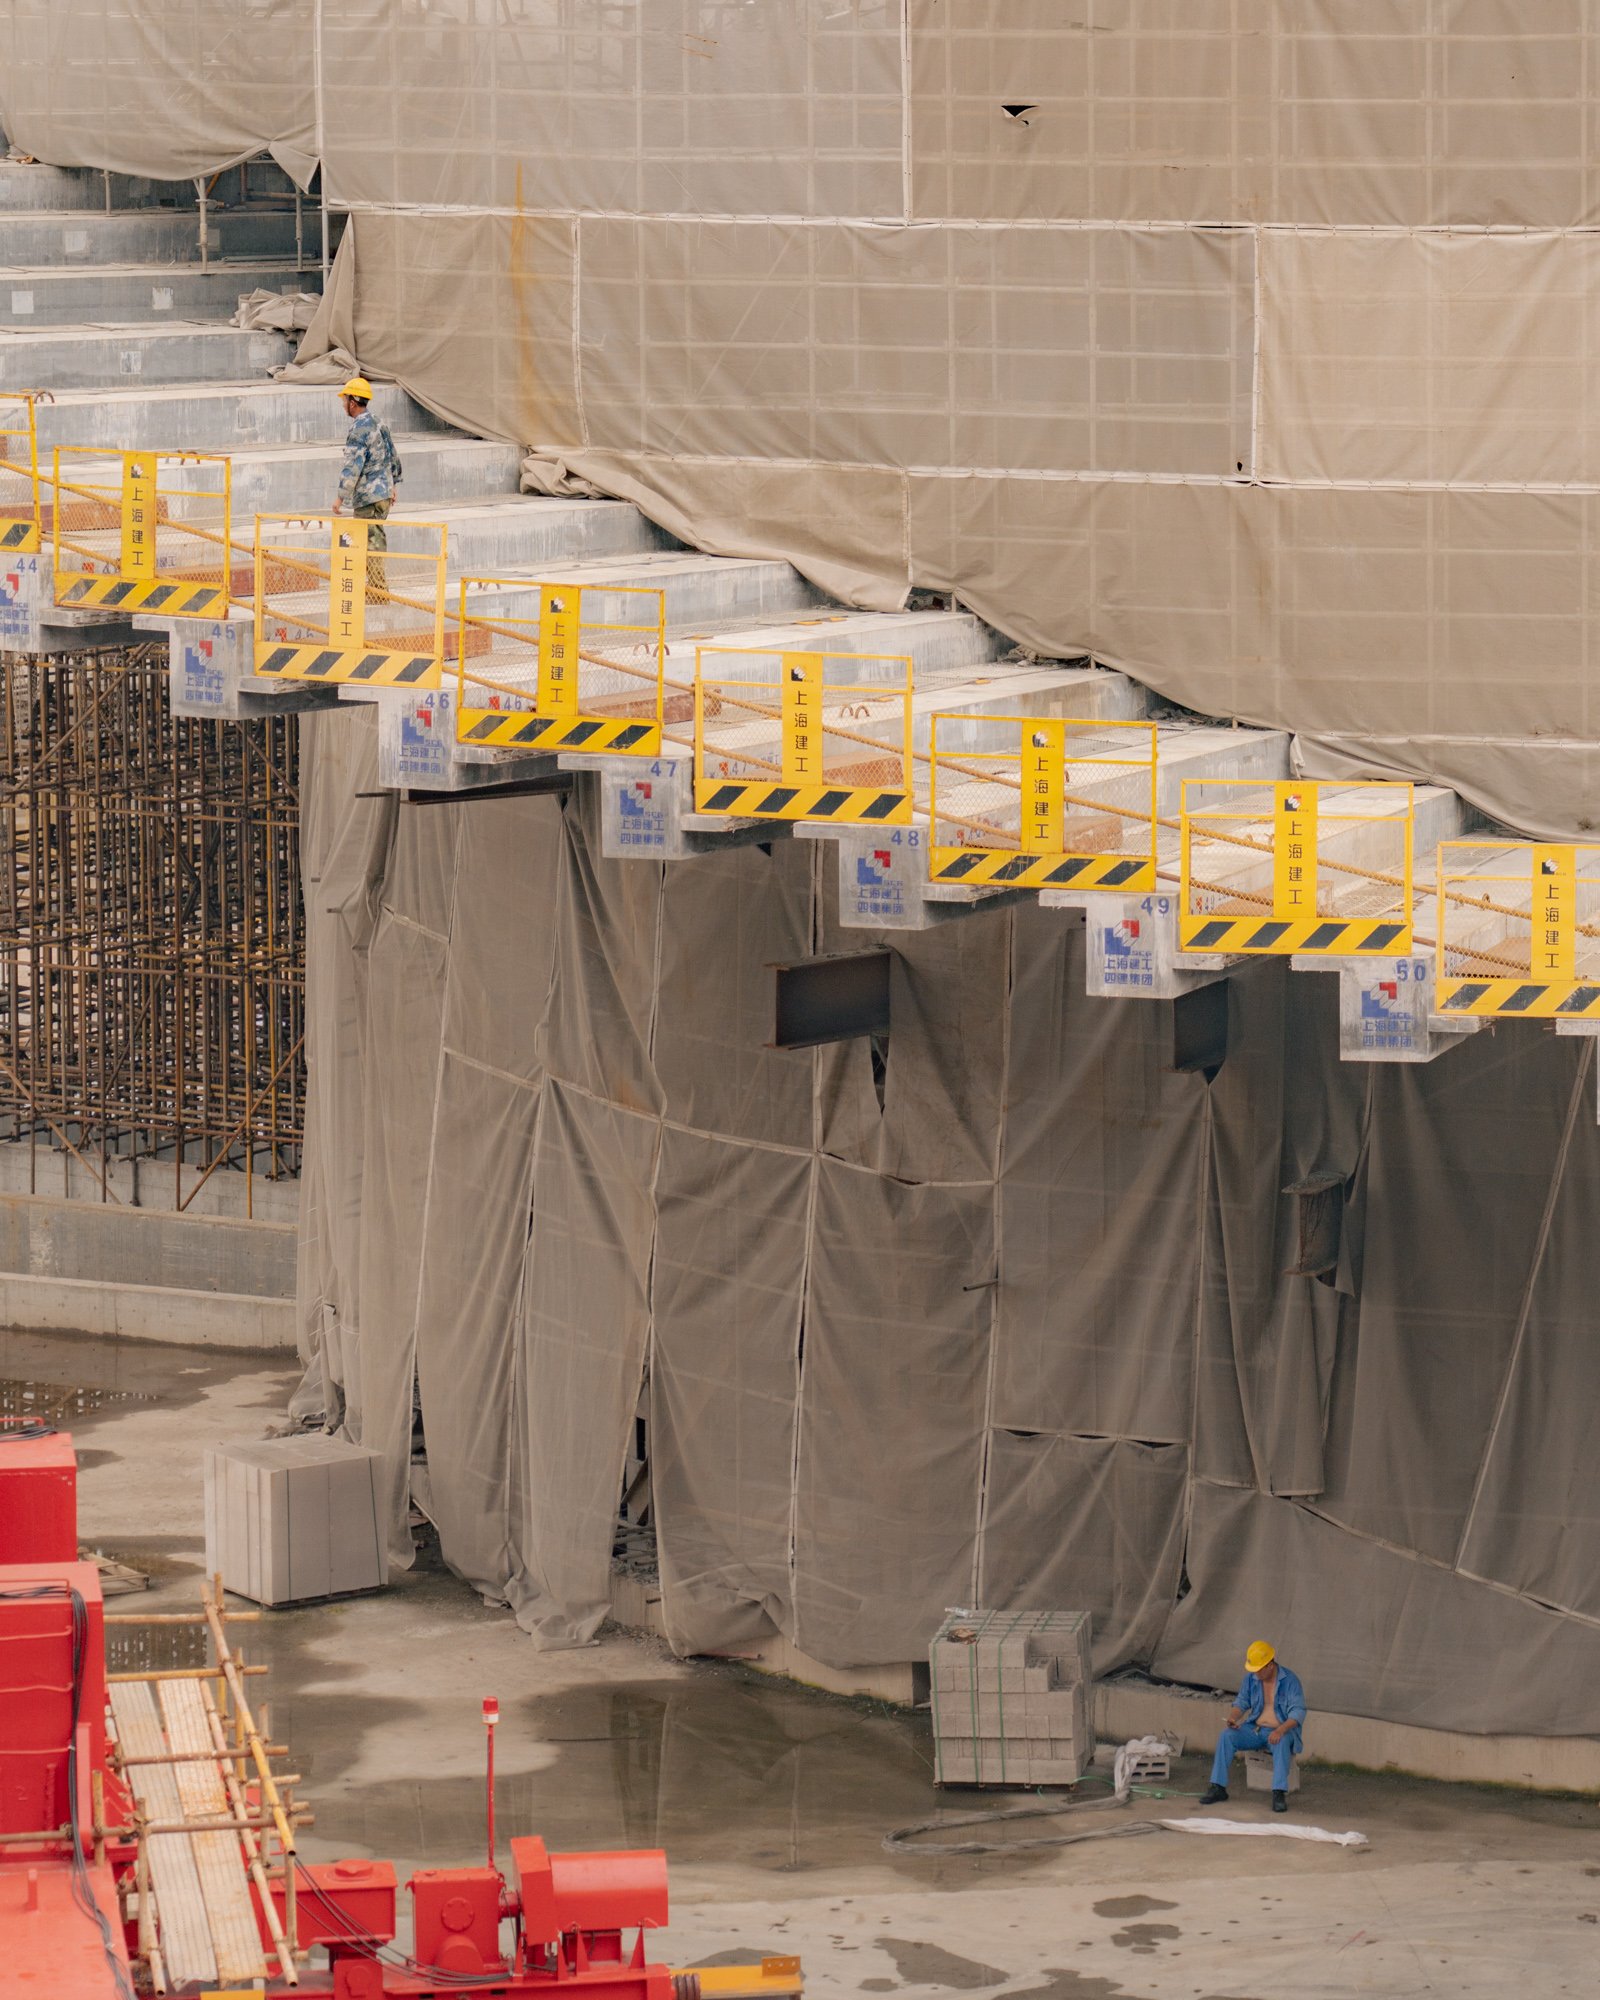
<point x="142" y="531"/>
<point x="342" y="599"/>
<point x="152" y="946"/>
<point x="1295" y="866"/>
<point x="793" y="736"/>
<point x="559" y="666"/>
<point x="19" y="476"/>
<point x="1519" y="930"/>
<point x="1043" y="802"/>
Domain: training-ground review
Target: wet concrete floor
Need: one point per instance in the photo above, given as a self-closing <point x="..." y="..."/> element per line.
<point x="772" y="1802"/>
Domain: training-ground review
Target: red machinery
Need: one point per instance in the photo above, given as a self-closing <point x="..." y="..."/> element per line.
<point x="570" y="1915"/>
<point x="72" y="1839"/>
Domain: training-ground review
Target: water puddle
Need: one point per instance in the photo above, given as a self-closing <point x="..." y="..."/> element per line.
<point x="720" y="1768"/>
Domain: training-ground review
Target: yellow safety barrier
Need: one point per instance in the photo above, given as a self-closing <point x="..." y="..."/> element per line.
<point x="795" y="736"/>
<point x="1043" y="803"/>
<point x="342" y="600"/>
<point x="1255" y="878"/>
<point x="143" y="531"/>
<point x="19" y="476"/>
<point x="577" y="669"/>
<point x="1519" y="930"/>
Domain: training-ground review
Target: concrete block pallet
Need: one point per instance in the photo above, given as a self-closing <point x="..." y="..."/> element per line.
<point x="1010" y="1698"/>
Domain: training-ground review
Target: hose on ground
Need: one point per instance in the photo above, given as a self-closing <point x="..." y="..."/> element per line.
<point x="905" y="1839"/>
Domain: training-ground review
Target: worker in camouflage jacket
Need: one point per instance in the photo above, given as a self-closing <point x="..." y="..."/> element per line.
<point x="370" y="478"/>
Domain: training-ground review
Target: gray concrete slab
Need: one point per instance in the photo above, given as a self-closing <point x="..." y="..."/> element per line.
<point x="31" y="185"/>
<point x="116" y="294"/>
<point x="772" y="1802"/>
<point x="219" y="416"/>
<point x="49" y="1237"/>
<point x="111" y="357"/>
<point x="142" y="236"/>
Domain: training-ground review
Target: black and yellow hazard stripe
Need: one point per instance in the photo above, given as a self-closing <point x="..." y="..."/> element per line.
<point x="185" y="599"/>
<point x="20" y="537"/>
<point x="1532" y="999"/>
<point x="335" y="667"/>
<point x="1132" y="874"/>
<point x="850" y="805"/>
<point x="520" y="729"/>
<point x="1329" y="936"/>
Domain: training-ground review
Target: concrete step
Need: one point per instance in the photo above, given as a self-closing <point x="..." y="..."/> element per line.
<point x="147" y="236"/>
<point x="33" y="187"/>
<point x="218" y="416"/>
<point x="111" y="356"/>
<point x="701" y="594"/>
<point x="120" y="293"/>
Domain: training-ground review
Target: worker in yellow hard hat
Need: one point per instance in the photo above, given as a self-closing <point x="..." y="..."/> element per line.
<point x="369" y="479"/>
<point x="1269" y="1715"/>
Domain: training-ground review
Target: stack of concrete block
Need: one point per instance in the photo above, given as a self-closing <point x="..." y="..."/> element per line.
<point x="1011" y="1698"/>
<point x="294" y="1518"/>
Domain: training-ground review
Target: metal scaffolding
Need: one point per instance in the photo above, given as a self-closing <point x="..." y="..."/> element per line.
<point x="152" y="944"/>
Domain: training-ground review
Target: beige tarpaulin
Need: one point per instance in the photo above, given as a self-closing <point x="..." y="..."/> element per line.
<point x="1246" y="344"/>
<point x="1017" y="1328"/>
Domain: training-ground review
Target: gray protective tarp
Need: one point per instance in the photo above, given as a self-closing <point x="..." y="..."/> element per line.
<point x="1007" y="1320"/>
<point x="1250" y="345"/>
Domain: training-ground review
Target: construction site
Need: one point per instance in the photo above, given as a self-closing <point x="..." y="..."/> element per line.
<point x="799" y="958"/>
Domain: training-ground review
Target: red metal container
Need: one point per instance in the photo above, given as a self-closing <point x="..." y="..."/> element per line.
<point x="38" y="1499"/>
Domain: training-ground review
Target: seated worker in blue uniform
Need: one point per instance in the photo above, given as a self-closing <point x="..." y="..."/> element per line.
<point x="1267" y="1716"/>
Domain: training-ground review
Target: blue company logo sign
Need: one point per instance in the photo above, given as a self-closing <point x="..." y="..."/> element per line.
<point x="1128" y="955"/>
<point x="642" y="811"/>
<point x="1390" y="1008"/>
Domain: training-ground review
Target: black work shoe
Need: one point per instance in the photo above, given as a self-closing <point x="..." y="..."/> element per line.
<point x="1213" y="1795"/>
<point x="1280" y="1802"/>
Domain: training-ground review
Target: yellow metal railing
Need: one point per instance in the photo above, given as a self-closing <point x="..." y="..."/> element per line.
<point x="1255" y="874"/>
<point x="1519" y="930"/>
<point x="793" y="736"/>
<point x="1043" y="803"/>
<point x="19" y="476"/>
<point x="142" y="531"/>
<point x="572" y="669"/>
<point x="340" y="599"/>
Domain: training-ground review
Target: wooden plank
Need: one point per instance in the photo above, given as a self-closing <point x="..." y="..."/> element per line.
<point x="219" y="1859"/>
<point x="185" y="1934"/>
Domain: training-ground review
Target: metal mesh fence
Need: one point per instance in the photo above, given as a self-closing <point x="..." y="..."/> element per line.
<point x="1295" y="867"/>
<point x="782" y="735"/>
<point x="143" y="530"/>
<point x="1519" y="929"/>
<point x="561" y="666"/>
<point x="339" y="598"/>
<point x="19" y="476"/>
<point x="1043" y="802"/>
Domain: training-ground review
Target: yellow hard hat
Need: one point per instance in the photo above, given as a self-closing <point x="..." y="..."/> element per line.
<point x="1260" y="1655"/>
<point x="358" y="385"/>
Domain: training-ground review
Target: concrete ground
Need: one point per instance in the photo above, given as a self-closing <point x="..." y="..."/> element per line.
<point x="772" y="1803"/>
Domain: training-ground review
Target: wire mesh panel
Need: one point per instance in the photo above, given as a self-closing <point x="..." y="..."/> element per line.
<point x="19" y="476"/>
<point x="339" y="599"/>
<point x="1295" y="867"/>
<point x="143" y="531"/>
<point x="1519" y="929"/>
<point x="1039" y="803"/>
<point x="793" y="736"/>
<point x="576" y="669"/>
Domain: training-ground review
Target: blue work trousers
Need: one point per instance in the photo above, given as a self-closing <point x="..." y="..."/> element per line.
<point x="1248" y="1737"/>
